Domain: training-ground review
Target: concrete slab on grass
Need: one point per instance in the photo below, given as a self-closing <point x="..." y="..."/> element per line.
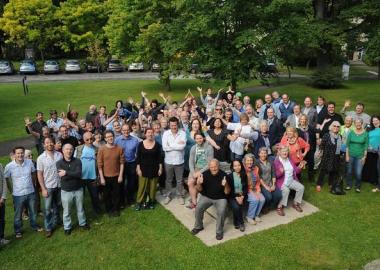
<point x="270" y="220"/>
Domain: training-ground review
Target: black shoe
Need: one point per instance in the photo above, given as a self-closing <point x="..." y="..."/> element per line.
<point x="196" y="231"/>
<point x="68" y="232"/>
<point x="237" y="227"/>
<point x="219" y="236"/>
<point x="151" y="205"/>
<point x="138" y="207"/>
<point x="85" y="227"/>
<point x="242" y="228"/>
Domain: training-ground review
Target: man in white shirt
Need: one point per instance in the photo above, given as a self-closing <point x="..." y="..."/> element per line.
<point x="50" y="184"/>
<point x="173" y="143"/>
<point x="54" y="123"/>
<point x="21" y="171"/>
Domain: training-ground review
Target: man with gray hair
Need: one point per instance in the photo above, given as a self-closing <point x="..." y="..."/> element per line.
<point x="213" y="187"/>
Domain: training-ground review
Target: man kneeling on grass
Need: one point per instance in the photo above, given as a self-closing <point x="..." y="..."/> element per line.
<point x="70" y="171"/>
<point x="213" y="186"/>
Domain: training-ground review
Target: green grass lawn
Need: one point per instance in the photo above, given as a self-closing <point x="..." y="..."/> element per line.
<point x="81" y="94"/>
<point x="343" y="235"/>
<point x="56" y="95"/>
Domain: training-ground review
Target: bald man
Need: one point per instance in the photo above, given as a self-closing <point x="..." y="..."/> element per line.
<point x="213" y="188"/>
<point x="70" y="171"/>
<point x="87" y="153"/>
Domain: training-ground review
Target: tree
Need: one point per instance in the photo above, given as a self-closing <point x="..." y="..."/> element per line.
<point x="82" y="22"/>
<point x="223" y="35"/>
<point x="30" y="25"/>
<point x="97" y="53"/>
<point x="143" y="30"/>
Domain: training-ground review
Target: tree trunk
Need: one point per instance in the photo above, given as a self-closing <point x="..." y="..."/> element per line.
<point x="233" y="84"/>
<point x="42" y="55"/>
<point x="167" y="83"/>
<point x="308" y="64"/>
<point x="289" y="71"/>
<point x="323" y="56"/>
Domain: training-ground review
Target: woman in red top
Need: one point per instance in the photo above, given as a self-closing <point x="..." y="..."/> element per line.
<point x="298" y="147"/>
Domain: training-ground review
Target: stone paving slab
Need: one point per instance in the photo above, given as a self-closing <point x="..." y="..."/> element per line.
<point x="207" y="236"/>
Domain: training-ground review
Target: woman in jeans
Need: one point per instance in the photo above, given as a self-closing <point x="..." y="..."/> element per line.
<point x="356" y="154"/>
<point x="269" y="190"/>
<point x="255" y="198"/>
<point x="200" y="154"/>
<point x="237" y="180"/>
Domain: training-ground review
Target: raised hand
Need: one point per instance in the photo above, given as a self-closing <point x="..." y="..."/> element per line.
<point x="224" y="181"/>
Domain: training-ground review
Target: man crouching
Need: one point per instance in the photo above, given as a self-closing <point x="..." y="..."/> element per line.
<point x="212" y="185"/>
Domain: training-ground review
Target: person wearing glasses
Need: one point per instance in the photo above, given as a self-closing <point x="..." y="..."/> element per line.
<point x="87" y="153"/>
<point x="330" y="150"/>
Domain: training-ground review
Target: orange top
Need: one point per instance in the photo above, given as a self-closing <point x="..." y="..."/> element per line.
<point x="296" y="149"/>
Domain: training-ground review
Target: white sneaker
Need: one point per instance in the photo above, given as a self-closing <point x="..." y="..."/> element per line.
<point x="251" y="221"/>
<point x="4" y="242"/>
<point x="167" y="200"/>
<point x="258" y="219"/>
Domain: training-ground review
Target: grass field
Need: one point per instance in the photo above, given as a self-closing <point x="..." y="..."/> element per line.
<point x="56" y="95"/>
<point x="343" y="235"/>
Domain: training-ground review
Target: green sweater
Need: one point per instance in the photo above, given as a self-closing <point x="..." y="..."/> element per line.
<point x="357" y="144"/>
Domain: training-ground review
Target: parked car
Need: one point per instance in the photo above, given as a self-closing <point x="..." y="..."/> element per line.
<point x="155" y="67"/>
<point x="136" y="67"/>
<point x="51" y="67"/>
<point x="72" y="66"/>
<point x="6" y="67"/>
<point x="28" y="66"/>
<point x="91" y="66"/>
<point x="115" y="65"/>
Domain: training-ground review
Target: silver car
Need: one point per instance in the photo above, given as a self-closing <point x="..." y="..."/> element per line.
<point x="51" y="67"/>
<point x="6" y="67"/>
<point x="28" y="67"/>
<point x="136" y="67"/>
<point x="72" y="66"/>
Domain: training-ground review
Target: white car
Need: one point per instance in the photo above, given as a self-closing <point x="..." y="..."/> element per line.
<point x="136" y="67"/>
<point x="72" y="66"/>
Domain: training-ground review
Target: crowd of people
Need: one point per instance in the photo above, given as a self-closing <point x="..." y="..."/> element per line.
<point x="223" y="150"/>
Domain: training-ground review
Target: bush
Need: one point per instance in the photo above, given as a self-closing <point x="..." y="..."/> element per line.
<point x="326" y="79"/>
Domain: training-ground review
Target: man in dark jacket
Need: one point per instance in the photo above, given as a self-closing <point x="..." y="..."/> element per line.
<point x="276" y="129"/>
<point x="70" y="171"/>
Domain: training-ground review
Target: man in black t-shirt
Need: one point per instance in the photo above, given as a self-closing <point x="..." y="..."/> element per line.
<point x="331" y="116"/>
<point x="213" y="187"/>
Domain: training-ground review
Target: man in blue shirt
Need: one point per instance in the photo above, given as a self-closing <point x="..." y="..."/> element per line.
<point x="129" y="144"/>
<point x="22" y="172"/>
<point x="87" y="153"/>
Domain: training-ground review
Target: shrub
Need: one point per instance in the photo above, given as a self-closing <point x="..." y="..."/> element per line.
<point x="326" y="78"/>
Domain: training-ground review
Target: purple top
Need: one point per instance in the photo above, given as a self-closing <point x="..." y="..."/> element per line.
<point x="280" y="172"/>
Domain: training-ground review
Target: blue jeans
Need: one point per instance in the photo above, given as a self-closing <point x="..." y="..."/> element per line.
<point x="52" y="205"/>
<point x="68" y="197"/>
<point x="354" y="166"/>
<point x="255" y="205"/>
<point x="30" y="202"/>
<point x="272" y="199"/>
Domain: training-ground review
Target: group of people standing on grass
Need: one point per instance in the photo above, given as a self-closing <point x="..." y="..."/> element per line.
<point x="222" y="150"/>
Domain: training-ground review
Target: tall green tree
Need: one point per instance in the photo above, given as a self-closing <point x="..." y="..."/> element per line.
<point x="143" y="30"/>
<point x="224" y="35"/>
<point x="30" y="25"/>
<point x="82" y="23"/>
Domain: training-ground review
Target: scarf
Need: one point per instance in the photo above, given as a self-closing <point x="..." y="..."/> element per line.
<point x="336" y="139"/>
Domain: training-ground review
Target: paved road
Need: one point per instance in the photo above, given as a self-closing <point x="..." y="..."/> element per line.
<point x="101" y="76"/>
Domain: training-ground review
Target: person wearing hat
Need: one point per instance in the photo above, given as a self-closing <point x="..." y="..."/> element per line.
<point x="54" y="123"/>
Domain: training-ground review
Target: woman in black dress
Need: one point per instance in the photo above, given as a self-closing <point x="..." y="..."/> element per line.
<point x="220" y="135"/>
<point x="330" y="146"/>
<point x="149" y="168"/>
